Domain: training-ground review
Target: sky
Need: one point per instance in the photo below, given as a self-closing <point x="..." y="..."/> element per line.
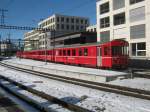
<point x="30" y="12"/>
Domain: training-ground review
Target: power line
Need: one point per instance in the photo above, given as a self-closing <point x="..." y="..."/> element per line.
<point x="24" y="28"/>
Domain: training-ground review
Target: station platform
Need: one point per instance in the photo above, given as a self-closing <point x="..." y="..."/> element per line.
<point x="90" y="74"/>
<point x="7" y="105"/>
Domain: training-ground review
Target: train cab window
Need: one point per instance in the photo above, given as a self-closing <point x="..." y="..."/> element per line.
<point x="80" y="52"/>
<point x="85" y="52"/>
<point x="68" y="52"/>
<point x="73" y="52"/>
<point x="119" y="50"/>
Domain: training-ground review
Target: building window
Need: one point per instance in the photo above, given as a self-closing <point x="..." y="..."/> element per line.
<point x="117" y="4"/>
<point x="67" y="20"/>
<point x="81" y="27"/>
<point x="135" y="1"/>
<point x="77" y="20"/>
<point x="81" y="21"/>
<point x="137" y="31"/>
<point x="138" y="49"/>
<point x="53" y="19"/>
<point x="67" y="27"/>
<point x="86" y="21"/>
<point x="104" y="8"/>
<point x="62" y="26"/>
<point x="57" y="19"/>
<point x="72" y="27"/>
<point x="72" y="20"/>
<point x="62" y="19"/>
<point x="77" y="27"/>
<point x="104" y="22"/>
<point x="119" y="19"/>
<point x="57" y="26"/>
<point x="105" y="36"/>
<point x="137" y="14"/>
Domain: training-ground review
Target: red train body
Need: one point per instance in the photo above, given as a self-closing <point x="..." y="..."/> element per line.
<point x="108" y="55"/>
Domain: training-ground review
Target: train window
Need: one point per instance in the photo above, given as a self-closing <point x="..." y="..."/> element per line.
<point x="60" y="52"/>
<point x="119" y="50"/>
<point x="47" y="53"/>
<point x="64" y="52"/>
<point x="80" y="52"/>
<point x="57" y="52"/>
<point x="85" y="52"/>
<point x="68" y="52"/>
<point x="73" y="52"/>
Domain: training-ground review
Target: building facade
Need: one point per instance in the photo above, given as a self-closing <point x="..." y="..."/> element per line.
<point x="92" y="28"/>
<point x="31" y="40"/>
<point x="128" y="20"/>
<point x="58" y="24"/>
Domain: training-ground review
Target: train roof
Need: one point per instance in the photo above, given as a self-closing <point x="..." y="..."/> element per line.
<point x="83" y="45"/>
<point x="90" y="44"/>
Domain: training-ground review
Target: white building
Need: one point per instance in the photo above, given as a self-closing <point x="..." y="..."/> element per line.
<point x="92" y="28"/>
<point x="31" y="39"/>
<point x="60" y="24"/>
<point x="128" y="20"/>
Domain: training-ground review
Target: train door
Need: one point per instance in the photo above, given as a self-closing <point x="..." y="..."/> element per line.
<point x="99" y="56"/>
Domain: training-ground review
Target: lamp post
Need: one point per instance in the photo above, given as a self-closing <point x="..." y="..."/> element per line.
<point x="0" y="45"/>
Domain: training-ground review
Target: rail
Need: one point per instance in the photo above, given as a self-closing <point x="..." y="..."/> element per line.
<point x="133" y="92"/>
<point x="50" y="98"/>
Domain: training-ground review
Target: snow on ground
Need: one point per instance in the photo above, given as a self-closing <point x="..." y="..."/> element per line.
<point x="19" y="102"/>
<point x="95" y="100"/>
<point x="91" y="71"/>
<point x="44" y="103"/>
<point x="139" y="83"/>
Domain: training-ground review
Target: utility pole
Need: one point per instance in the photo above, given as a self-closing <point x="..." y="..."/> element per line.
<point x="0" y="44"/>
<point x="3" y="16"/>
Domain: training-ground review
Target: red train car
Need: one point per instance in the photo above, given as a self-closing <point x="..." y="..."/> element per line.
<point x="112" y="54"/>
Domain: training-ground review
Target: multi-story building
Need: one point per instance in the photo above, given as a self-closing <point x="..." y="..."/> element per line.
<point x="92" y="28"/>
<point x="128" y="20"/>
<point x="31" y="40"/>
<point x="58" y="24"/>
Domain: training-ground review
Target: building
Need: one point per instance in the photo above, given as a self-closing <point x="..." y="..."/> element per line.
<point x="31" y="40"/>
<point x="128" y="20"/>
<point x="75" y="38"/>
<point x="92" y="28"/>
<point x="58" y="24"/>
<point x="7" y="48"/>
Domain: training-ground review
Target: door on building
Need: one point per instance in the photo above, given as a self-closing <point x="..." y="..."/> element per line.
<point x="99" y="56"/>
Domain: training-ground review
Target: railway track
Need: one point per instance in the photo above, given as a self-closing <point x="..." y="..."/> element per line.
<point x="133" y="92"/>
<point x="52" y="99"/>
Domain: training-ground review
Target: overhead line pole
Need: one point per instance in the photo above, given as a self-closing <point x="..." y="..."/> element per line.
<point x="3" y="16"/>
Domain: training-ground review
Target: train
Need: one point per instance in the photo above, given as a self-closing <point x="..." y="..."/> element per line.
<point x="112" y="54"/>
